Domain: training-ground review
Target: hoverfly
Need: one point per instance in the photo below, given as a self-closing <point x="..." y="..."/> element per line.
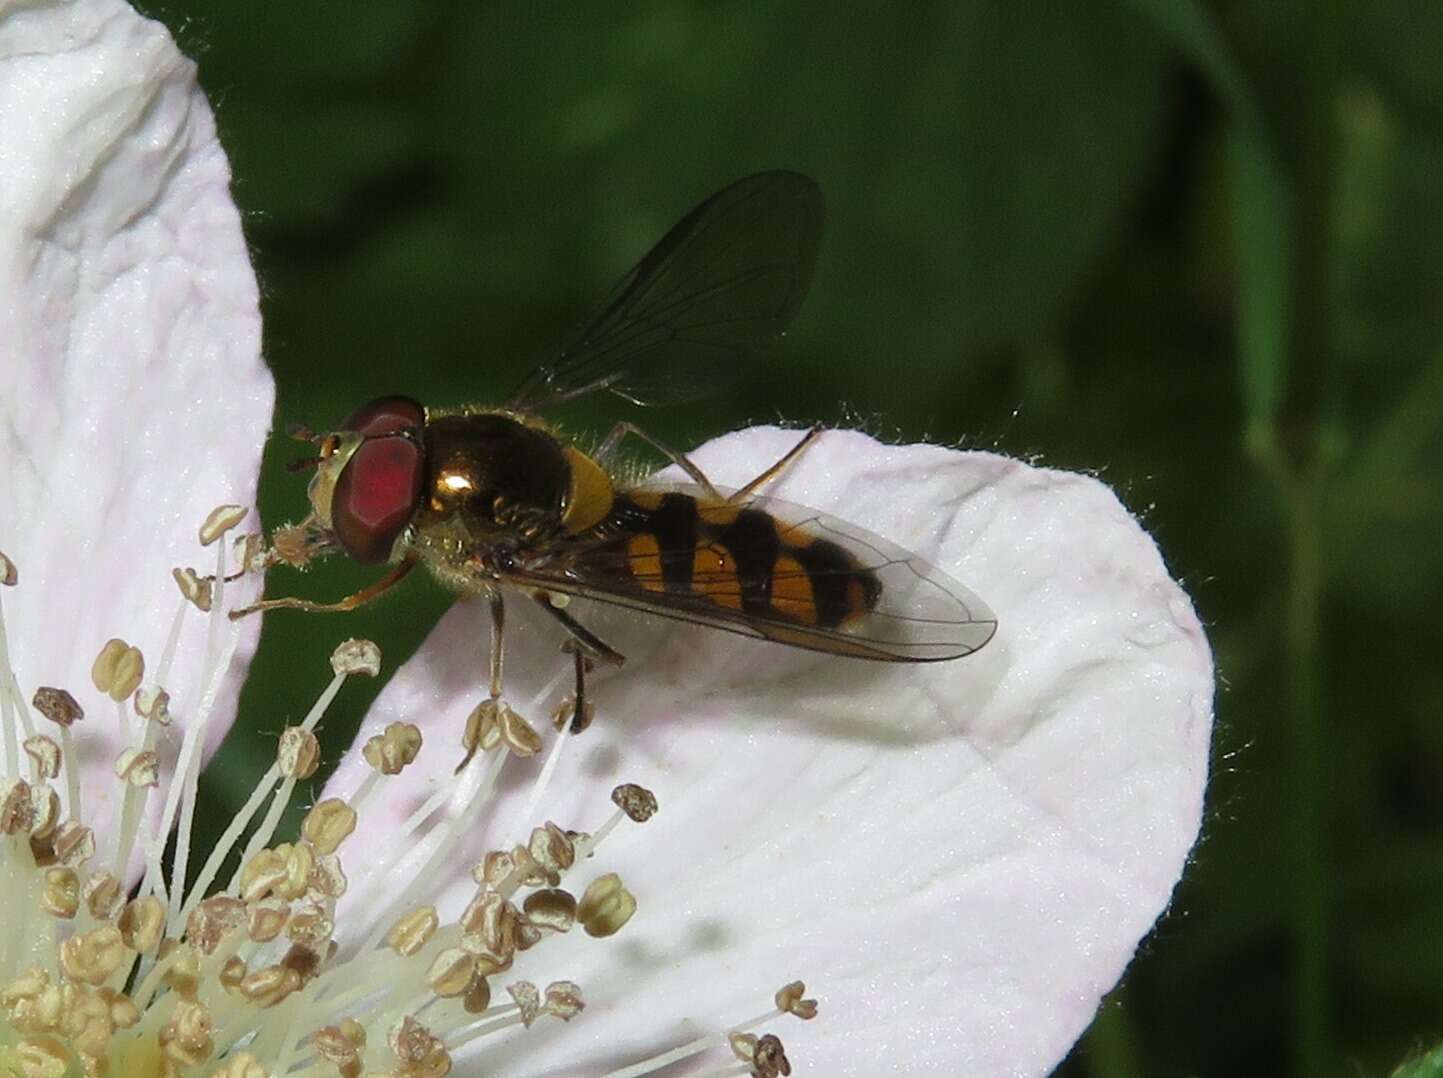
<point x="493" y="501"/>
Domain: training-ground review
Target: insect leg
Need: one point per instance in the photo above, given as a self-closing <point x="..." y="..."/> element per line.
<point x="589" y="641"/>
<point x="350" y="602"/>
<point x="498" y="622"/>
<point x="621" y="430"/>
<point x="582" y="711"/>
<point x="775" y="469"/>
<point x="584" y="646"/>
<point x="490" y="708"/>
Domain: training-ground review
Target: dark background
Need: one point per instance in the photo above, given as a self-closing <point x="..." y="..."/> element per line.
<point x="1195" y="248"/>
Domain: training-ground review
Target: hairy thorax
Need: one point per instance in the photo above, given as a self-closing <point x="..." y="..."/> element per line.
<point x="496" y="489"/>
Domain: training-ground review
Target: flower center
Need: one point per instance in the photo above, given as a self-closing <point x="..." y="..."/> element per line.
<point x="101" y="974"/>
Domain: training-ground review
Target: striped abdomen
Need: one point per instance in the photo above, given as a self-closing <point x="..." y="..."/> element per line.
<point x="739" y="558"/>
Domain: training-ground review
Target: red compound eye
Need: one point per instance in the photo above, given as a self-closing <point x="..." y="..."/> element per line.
<point x="386" y="415"/>
<point x="379" y="488"/>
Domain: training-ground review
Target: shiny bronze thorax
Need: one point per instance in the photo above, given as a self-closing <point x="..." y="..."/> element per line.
<point x="492" y="477"/>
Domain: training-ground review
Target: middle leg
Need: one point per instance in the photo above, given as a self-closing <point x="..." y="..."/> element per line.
<point x="585" y="647"/>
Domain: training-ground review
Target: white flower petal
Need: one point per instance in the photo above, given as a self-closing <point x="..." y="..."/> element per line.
<point x="132" y="395"/>
<point x="958" y="858"/>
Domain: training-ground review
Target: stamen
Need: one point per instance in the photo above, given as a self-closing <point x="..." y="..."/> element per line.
<point x="243" y="817"/>
<point x="186" y="780"/>
<point x="543" y="780"/>
<point x="255" y="967"/>
<point x="464" y="803"/>
<point x="9" y="689"/>
<point x="788" y="1001"/>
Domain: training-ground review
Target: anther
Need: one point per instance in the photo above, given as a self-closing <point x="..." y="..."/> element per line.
<point x="482" y="731"/>
<point x="357" y="657"/>
<point x="58" y="706"/>
<point x="182" y="967"/>
<point x="118" y="669"/>
<point x="17" y="811"/>
<point x="413" y="931"/>
<point x="311" y="926"/>
<point x="789" y="999"/>
<point x="103" y="896"/>
<point x="9" y="575"/>
<point x="45" y="812"/>
<point x="332" y="1045"/>
<point x="60" y="892"/>
<point x="268" y="986"/>
<point x="42" y="1055"/>
<point x="266" y="919"/>
<point x="91" y="957"/>
<point x="488" y="927"/>
<point x="563" y="1000"/>
<point x="551" y="908"/>
<point x="637" y="802"/>
<point x="196" y="589"/>
<point x="136" y="767"/>
<point x="44" y="753"/>
<point x="299" y="753"/>
<point x="153" y="703"/>
<point x="213" y="920"/>
<point x="419" y="1052"/>
<point x="328" y="824"/>
<point x="552" y="850"/>
<point x="394" y="748"/>
<point x="764" y="1054"/>
<point x="186" y="1038"/>
<point x="520" y="737"/>
<point x="478" y="996"/>
<point x="606" y="906"/>
<point x="326" y="879"/>
<point x="241" y="1065"/>
<point x="74" y="843"/>
<point x="142" y="923"/>
<point x="451" y="973"/>
<point x="220" y="520"/>
<point x="305" y="959"/>
<point x="527" y="999"/>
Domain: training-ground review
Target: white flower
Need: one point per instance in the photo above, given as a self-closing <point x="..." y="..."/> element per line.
<point x="958" y="858"/>
<point x="132" y="394"/>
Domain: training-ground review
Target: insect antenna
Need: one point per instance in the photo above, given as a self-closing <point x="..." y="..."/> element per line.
<point x="302" y="433"/>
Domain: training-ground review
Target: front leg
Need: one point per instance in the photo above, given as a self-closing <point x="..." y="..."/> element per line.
<point x="473" y="735"/>
<point x="350" y="602"/>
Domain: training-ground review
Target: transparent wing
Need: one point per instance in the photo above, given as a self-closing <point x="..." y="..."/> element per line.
<point x="918" y="613"/>
<point x="720" y="286"/>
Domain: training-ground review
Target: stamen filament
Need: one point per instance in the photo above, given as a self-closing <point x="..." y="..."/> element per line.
<point x="443" y="839"/>
<point x="9" y="698"/>
<point x="282" y="795"/>
<point x="242" y="818"/>
<point x="217" y="601"/>
<point x="189" y="768"/>
<point x="172" y="642"/>
<point x="691" y="1048"/>
<point x="446" y="834"/>
<point x="528" y="816"/>
<point x="666" y="1059"/>
<point x="122" y="719"/>
<point x="132" y="807"/>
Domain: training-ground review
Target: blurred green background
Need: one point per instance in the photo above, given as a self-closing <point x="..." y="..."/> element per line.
<point x="1195" y="248"/>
